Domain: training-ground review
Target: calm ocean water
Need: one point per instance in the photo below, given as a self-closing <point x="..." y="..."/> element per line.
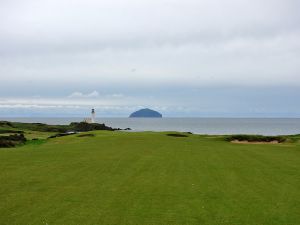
<point x="195" y="125"/>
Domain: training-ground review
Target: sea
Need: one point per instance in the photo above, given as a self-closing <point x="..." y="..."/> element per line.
<point x="213" y="126"/>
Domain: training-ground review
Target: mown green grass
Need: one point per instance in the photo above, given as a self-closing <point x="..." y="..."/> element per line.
<point x="149" y="178"/>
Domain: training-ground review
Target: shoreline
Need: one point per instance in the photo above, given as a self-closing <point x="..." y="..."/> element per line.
<point x="200" y="126"/>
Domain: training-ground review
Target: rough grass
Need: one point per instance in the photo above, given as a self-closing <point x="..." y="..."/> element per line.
<point x="149" y="178"/>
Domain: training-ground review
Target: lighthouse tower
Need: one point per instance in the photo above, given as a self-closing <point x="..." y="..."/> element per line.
<point x="93" y="118"/>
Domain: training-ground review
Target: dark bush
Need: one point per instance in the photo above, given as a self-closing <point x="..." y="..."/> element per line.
<point x="86" y="135"/>
<point x="255" y="138"/>
<point x="82" y="126"/>
<point x="177" y="135"/>
<point x="11" y="132"/>
<point x="6" y="144"/>
<point x="5" y="123"/>
<point x="14" y="137"/>
<point x="61" y="134"/>
<point x="12" y="140"/>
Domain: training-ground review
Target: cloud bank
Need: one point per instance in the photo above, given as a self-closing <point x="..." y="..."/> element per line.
<point x="153" y="52"/>
<point x="78" y="94"/>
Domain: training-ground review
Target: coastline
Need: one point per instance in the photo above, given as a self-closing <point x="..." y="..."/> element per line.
<point x="209" y="126"/>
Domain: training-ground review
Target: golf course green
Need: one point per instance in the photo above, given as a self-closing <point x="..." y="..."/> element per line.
<point x="149" y="178"/>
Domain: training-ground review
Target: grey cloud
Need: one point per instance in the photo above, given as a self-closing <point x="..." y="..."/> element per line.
<point x="89" y="25"/>
<point x="55" y="48"/>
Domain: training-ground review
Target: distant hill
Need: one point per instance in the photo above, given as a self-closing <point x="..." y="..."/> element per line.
<point x="145" y="113"/>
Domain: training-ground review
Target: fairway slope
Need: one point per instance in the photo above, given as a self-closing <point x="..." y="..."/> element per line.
<point x="149" y="178"/>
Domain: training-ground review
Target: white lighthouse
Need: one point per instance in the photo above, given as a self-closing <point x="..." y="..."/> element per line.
<point x="93" y="118"/>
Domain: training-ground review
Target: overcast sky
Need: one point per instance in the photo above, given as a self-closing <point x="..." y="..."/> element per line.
<point x="233" y="58"/>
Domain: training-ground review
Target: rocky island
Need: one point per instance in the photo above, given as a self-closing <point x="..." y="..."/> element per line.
<point x="146" y="113"/>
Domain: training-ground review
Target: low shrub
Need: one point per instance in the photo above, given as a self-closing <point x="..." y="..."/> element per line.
<point x="86" y="135"/>
<point x="62" y="134"/>
<point x="12" y="140"/>
<point x="255" y="138"/>
<point x="11" y="132"/>
<point x="177" y="135"/>
<point x="81" y="126"/>
<point x="5" y="123"/>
